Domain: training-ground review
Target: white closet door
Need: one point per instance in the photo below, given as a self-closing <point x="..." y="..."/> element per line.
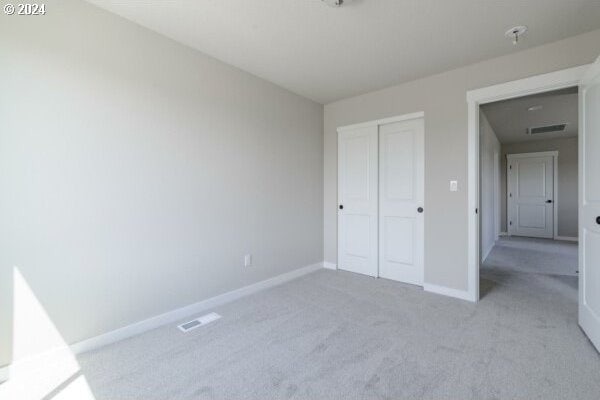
<point x="589" y="205"/>
<point x="357" y="200"/>
<point x="401" y="193"/>
<point x="531" y="195"/>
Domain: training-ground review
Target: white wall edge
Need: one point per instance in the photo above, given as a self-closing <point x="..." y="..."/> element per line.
<point x="567" y="238"/>
<point x="329" y="265"/>
<point x="459" y="294"/>
<point x="181" y="313"/>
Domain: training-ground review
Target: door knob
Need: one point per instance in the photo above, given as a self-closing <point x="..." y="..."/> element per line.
<point x="420" y="210"/>
<point x="341" y="206"/>
<point x="598" y="220"/>
<point x="548" y="201"/>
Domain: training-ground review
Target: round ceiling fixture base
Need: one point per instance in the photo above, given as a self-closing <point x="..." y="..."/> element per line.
<point x="515" y="33"/>
<point x="333" y="3"/>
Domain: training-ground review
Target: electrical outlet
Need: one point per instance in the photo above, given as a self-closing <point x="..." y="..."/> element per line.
<point x="248" y="260"/>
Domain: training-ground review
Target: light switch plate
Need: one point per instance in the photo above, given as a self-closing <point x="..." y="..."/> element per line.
<point x="454" y="186"/>
<point x="248" y="260"/>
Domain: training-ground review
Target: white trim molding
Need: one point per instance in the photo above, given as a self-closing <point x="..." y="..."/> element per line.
<point x="377" y="122"/>
<point x="446" y="291"/>
<point x="522" y="87"/>
<point x="487" y="252"/>
<point x="162" y="319"/>
<point x="567" y="238"/>
<point x="4" y="373"/>
<point x="535" y="154"/>
<point x="184" y="312"/>
<point x="329" y="265"/>
<point x="535" y="84"/>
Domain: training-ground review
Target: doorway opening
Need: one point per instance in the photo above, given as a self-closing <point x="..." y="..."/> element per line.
<point x="528" y="184"/>
<point x="587" y="79"/>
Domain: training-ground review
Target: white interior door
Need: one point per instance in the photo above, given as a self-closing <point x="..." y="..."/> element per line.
<point x="530" y="195"/>
<point x="401" y="193"/>
<point x="589" y="205"/>
<point x="357" y="200"/>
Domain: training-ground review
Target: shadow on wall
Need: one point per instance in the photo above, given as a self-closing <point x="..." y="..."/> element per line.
<point x="43" y="365"/>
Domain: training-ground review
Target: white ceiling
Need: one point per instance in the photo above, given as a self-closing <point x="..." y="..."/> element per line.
<point x="511" y="118"/>
<point x="327" y="54"/>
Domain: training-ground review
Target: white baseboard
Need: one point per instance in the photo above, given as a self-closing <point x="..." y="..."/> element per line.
<point x="503" y="234"/>
<point x="487" y="252"/>
<point x="181" y="313"/>
<point x="459" y="294"/>
<point x="567" y="238"/>
<point x="4" y="373"/>
<point x="328" y="265"/>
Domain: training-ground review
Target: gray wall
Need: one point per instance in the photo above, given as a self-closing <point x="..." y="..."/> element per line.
<point x="489" y="203"/>
<point x="443" y="99"/>
<point x="137" y="172"/>
<point x="567" y="179"/>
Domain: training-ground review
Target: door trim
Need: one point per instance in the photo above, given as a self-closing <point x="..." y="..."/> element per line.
<point x="534" y="154"/>
<point x="383" y="121"/>
<point x="497" y="204"/>
<point x="522" y="87"/>
<point x="554" y="155"/>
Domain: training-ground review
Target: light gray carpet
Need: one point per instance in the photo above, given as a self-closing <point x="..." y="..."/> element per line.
<point x="338" y="335"/>
<point x="543" y="256"/>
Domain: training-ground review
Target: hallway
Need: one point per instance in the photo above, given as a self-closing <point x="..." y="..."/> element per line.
<point x="541" y="256"/>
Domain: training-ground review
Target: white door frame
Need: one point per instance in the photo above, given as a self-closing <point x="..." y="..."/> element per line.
<point x="497" y="202"/>
<point x="376" y="122"/>
<point x="536" y="84"/>
<point x="383" y="121"/>
<point x="554" y="155"/>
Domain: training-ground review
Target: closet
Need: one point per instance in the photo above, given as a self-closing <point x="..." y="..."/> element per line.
<point x="380" y="198"/>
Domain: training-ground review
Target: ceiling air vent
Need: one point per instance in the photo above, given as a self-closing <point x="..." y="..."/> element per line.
<point x="546" y="129"/>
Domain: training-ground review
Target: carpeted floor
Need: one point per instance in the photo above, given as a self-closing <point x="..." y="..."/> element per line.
<point x="534" y="255"/>
<point x="338" y="335"/>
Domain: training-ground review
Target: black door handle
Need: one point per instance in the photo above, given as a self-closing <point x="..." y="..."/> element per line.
<point x="420" y="210"/>
<point x="341" y="206"/>
<point x="598" y="220"/>
<point x="548" y="201"/>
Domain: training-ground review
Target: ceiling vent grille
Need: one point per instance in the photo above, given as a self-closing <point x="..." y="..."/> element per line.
<point x="546" y="129"/>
